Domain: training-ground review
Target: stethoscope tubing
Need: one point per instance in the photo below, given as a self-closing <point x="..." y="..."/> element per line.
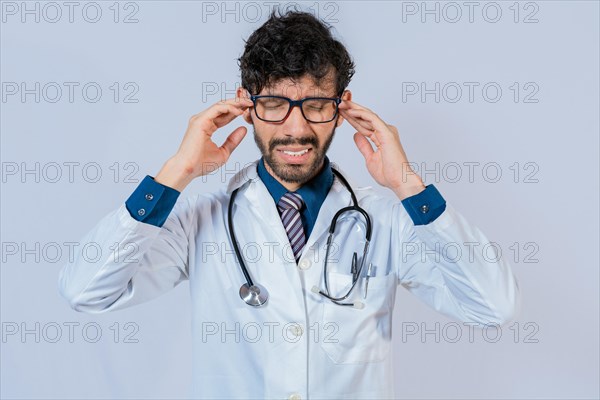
<point x="354" y="207"/>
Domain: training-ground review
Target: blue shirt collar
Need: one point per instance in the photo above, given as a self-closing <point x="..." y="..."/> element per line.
<point x="313" y="192"/>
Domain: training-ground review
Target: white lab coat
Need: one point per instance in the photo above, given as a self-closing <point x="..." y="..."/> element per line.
<point x="299" y="345"/>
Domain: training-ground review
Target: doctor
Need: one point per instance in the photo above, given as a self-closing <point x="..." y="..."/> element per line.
<point x="280" y="319"/>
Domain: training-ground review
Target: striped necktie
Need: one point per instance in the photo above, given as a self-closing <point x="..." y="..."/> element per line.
<point x="289" y="207"/>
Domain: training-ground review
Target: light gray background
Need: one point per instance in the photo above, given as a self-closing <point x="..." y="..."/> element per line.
<point x="176" y="51"/>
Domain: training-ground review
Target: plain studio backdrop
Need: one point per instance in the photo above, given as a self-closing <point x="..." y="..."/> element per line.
<point x="496" y="104"/>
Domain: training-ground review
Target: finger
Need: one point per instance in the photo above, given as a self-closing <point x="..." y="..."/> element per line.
<point x="350" y="105"/>
<point x="213" y="112"/>
<point x="380" y="129"/>
<point x="374" y="139"/>
<point x="222" y="114"/>
<point x="240" y="102"/>
<point x="237" y="102"/>
<point x="370" y="117"/>
<point x="236" y="99"/>
<point x="233" y="140"/>
<point x="352" y="115"/>
<point x="365" y="129"/>
<point x="363" y="145"/>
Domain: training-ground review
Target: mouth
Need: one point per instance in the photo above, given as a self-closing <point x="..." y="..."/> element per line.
<point x="294" y="155"/>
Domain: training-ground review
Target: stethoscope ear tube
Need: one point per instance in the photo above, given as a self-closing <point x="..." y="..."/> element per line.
<point x="354" y="207"/>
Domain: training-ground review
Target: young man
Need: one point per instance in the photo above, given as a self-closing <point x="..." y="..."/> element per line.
<point x="314" y="317"/>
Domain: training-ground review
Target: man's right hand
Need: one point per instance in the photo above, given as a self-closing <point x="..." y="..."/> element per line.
<point x="198" y="154"/>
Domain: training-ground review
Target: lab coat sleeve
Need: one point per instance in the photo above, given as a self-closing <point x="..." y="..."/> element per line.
<point x="137" y="261"/>
<point x="451" y="265"/>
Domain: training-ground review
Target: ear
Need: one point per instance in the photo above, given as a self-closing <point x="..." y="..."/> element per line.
<point x="247" y="115"/>
<point x="347" y="95"/>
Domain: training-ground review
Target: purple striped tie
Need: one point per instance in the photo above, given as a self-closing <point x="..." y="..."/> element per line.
<point x="289" y="207"/>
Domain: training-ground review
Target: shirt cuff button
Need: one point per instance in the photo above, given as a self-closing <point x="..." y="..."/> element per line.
<point x="141" y="212"/>
<point x="149" y="197"/>
<point x="424" y="208"/>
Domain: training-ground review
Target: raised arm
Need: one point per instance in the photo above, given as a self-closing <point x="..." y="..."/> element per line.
<point x="144" y="244"/>
<point x="472" y="286"/>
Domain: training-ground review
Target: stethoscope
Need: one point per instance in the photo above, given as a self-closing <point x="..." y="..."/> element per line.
<point x="256" y="295"/>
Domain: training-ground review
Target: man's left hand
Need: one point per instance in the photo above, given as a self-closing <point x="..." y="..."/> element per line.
<point x="388" y="164"/>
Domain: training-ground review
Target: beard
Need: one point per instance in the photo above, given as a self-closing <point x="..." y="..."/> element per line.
<point x="295" y="173"/>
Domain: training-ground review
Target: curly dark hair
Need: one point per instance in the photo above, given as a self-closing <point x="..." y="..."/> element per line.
<point x="290" y="46"/>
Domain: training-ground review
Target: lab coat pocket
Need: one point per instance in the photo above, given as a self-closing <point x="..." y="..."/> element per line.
<point x="359" y="335"/>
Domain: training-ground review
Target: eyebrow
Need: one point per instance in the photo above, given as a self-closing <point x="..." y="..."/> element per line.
<point x="276" y="92"/>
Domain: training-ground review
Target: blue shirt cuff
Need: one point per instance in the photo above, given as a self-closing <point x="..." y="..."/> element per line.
<point x="151" y="202"/>
<point x="426" y="206"/>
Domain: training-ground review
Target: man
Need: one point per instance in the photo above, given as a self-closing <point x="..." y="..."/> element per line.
<point x="301" y="329"/>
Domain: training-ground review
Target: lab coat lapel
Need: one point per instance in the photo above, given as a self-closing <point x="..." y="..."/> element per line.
<point x="259" y="201"/>
<point x="283" y="278"/>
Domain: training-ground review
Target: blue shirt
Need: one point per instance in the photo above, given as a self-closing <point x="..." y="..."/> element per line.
<point x="313" y="192"/>
<point x="152" y="202"/>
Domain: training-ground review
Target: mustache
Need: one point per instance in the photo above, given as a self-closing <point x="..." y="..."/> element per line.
<point x="290" y="141"/>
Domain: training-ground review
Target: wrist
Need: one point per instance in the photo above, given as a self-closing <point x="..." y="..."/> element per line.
<point x="175" y="174"/>
<point x="410" y="188"/>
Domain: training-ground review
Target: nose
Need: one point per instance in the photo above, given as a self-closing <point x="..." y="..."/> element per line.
<point x="295" y="123"/>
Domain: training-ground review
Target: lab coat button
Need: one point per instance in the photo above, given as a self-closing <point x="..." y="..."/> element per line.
<point x="149" y="197"/>
<point x="304" y="264"/>
<point x="295" y="396"/>
<point x="141" y="212"/>
<point x="295" y="330"/>
<point x="424" y="208"/>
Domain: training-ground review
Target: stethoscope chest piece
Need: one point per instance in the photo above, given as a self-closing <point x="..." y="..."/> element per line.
<point x="255" y="295"/>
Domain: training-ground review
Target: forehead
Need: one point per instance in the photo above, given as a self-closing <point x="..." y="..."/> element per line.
<point x="301" y="87"/>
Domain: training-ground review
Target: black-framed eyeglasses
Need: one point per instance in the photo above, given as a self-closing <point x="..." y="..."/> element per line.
<point x="317" y="110"/>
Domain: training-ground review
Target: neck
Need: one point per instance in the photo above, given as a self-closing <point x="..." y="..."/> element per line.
<point x="292" y="186"/>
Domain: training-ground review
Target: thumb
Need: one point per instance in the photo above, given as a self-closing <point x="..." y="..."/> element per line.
<point x="363" y="145"/>
<point x="233" y="140"/>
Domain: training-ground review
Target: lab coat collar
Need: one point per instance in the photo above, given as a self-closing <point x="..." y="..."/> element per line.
<point x="246" y="174"/>
<point x="250" y="174"/>
<point x="337" y="198"/>
<point x="254" y="194"/>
